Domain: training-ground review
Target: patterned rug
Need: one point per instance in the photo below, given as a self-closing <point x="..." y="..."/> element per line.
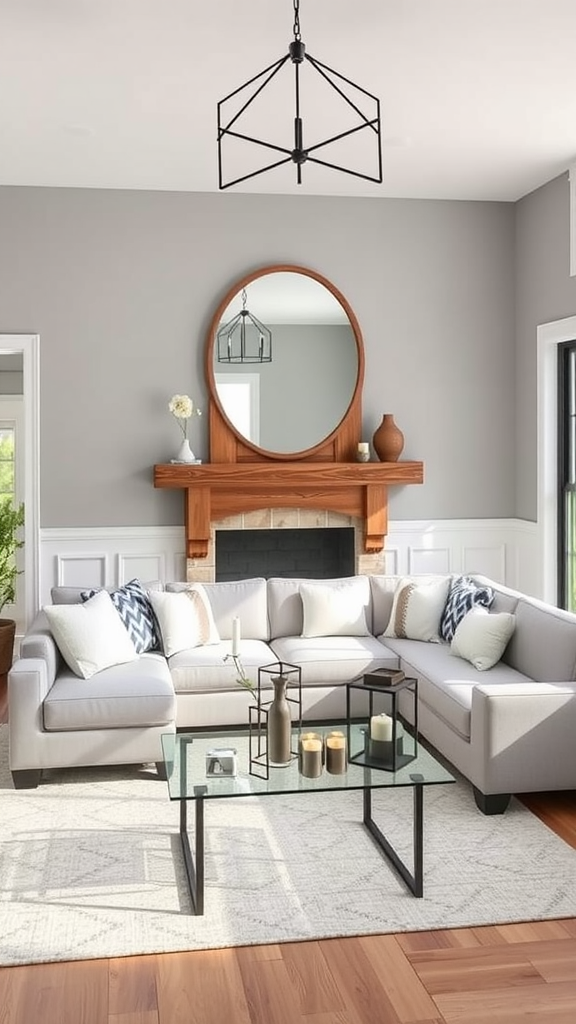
<point x="91" y="866"/>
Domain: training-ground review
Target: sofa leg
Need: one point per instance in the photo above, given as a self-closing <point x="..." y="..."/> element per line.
<point x="493" y="803"/>
<point x="161" y="769"/>
<point x="28" y="779"/>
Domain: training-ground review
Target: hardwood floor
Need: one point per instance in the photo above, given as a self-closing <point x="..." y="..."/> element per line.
<point x="492" y="975"/>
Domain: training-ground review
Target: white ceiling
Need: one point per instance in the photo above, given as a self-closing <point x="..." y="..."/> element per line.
<point x="478" y="97"/>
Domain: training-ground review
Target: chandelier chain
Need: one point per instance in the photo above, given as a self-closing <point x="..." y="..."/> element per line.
<point x="297" y="20"/>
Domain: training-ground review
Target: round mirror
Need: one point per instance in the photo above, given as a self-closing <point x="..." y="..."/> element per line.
<point x="284" y="359"/>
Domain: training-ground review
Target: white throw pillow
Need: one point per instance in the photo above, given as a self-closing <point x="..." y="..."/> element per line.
<point x="185" y="618"/>
<point x="417" y="609"/>
<point x="332" y="611"/>
<point x="90" y="636"/>
<point x="482" y="636"/>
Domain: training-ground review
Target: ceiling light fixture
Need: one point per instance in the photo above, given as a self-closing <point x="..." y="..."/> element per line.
<point x="244" y="339"/>
<point x="243" y="103"/>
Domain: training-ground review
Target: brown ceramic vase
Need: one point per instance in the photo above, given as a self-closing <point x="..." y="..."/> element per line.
<point x="388" y="440"/>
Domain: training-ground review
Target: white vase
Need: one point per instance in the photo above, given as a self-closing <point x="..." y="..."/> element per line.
<point x="185" y="453"/>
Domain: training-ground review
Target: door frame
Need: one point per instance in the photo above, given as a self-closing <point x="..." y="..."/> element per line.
<point x="29" y="346"/>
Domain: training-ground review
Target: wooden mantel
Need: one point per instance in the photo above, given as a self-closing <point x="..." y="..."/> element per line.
<point x="215" y="490"/>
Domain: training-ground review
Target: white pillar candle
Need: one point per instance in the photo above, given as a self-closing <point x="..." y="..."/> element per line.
<point x="236" y="636"/>
<point x="363" y="446"/>
<point x="381" y="727"/>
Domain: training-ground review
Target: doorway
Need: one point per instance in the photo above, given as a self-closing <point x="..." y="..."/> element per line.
<point x="19" y="411"/>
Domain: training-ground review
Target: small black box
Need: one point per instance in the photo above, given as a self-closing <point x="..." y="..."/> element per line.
<point x="384" y="677"/>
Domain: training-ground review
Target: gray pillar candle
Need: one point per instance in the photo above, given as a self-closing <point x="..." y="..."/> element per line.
<point x="311" y="758"/>
<point x="336" y="755"/>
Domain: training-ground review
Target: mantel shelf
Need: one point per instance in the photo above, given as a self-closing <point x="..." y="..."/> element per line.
<point x="215" y="490"/>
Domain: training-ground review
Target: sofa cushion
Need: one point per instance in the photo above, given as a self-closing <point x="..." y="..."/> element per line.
<point x="332" y="611"/>
<point x="184" y="619"/>
<point x="464" y="594"/>
<point x="90" y="636"/>
<point x="208" y="670"/>
<point x="417" y="609"/>
<point x="544" y="642"/>
<point x="285" y="608"/>
<point x="133" y="606"/>
<point x="136" y="694"/>
<point x="335" y="659"/>
<point x="446" y="683"/>
<point x="481" y="637"/>
<point x="243" y="599"/>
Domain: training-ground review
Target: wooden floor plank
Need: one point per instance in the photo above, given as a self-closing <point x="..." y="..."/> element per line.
<point x="404" y="989"/>
<point x="132" y="985"/>
<point x="203" y="987"/>
<point x="76" y="993"/>
<point x="363" y="989"/>
<point x="138" y="1017"/>
<point x="533" y="931"/>
<point x="542" y="1003"/>
<point x="311" y="978"/>
<point x="464" y="973"/>
<point x="269" y="992"/>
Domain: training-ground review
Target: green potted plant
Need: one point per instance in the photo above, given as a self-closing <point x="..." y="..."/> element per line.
<point x="11" y="521"/>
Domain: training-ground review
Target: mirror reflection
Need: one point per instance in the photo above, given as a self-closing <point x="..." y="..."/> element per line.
<point x="295" y="400"/>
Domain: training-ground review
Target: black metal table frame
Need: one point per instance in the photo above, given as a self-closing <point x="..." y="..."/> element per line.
<point x="194" y="863"/>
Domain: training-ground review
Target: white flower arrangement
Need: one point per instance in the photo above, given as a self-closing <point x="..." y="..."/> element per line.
<point x="182" y="408"/>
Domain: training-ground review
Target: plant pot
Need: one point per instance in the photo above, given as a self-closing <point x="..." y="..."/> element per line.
<point x="7" y="634"/>
<point x="388" y="440"/>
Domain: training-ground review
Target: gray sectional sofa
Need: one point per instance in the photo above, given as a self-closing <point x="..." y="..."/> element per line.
<point x="509" y="729"/>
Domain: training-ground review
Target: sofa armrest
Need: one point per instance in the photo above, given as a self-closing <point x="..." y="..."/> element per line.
<point x="522" y="736"/>
<point x="39" y="643"/>
<point x="28" y="684"/>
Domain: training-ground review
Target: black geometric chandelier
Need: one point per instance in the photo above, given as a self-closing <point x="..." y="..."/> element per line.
<point x="237" y="114"/>
<point x="244" y="339"/>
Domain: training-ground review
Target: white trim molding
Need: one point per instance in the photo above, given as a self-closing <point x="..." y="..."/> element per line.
<point x="572" y="180"/>
<point x="549" y="337"/>
<point x="506" y="550"/>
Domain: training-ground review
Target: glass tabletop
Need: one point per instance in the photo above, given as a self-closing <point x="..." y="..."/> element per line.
<point x="187" y="756"/>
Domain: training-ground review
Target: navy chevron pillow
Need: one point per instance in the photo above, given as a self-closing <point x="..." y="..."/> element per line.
<point x="463" y="595"/>
<point x="134" y="608"/>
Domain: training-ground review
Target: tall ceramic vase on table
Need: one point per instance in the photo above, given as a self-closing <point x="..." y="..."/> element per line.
<point x="279" y="733"/>
<point x="388" y="440"/>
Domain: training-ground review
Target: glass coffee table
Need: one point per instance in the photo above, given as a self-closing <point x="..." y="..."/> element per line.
<point x="185" y="757"/>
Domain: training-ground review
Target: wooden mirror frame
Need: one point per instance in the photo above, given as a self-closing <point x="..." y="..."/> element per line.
<point x="228" y="445"/>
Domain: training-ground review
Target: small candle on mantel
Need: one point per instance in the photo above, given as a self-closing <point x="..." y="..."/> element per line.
<point x="381" y="728"/>
<point x="363" y="446"/>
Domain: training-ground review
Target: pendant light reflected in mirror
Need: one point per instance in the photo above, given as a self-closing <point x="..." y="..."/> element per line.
<point x="244" y="339"/>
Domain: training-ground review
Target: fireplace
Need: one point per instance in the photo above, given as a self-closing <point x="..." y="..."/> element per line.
<point x="303" y="553"/>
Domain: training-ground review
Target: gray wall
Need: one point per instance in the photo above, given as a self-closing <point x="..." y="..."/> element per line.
<point x="121" y="287"/>
<point x="544" y="292"/>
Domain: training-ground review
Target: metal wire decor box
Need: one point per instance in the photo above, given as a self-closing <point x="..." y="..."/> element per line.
<point x="401" y="746"/>
<point x="258" y="747"/>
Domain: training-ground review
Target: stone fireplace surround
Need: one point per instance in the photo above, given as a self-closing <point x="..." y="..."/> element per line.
<point x="203" y="570"/>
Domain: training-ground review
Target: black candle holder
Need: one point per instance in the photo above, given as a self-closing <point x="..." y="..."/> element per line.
<point x="402" y="748"/>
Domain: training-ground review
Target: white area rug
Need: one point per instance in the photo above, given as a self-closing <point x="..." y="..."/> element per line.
<point x="91" y="866"/>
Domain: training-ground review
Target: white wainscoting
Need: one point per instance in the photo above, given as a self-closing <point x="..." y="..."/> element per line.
<point x="506" y="550"/>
